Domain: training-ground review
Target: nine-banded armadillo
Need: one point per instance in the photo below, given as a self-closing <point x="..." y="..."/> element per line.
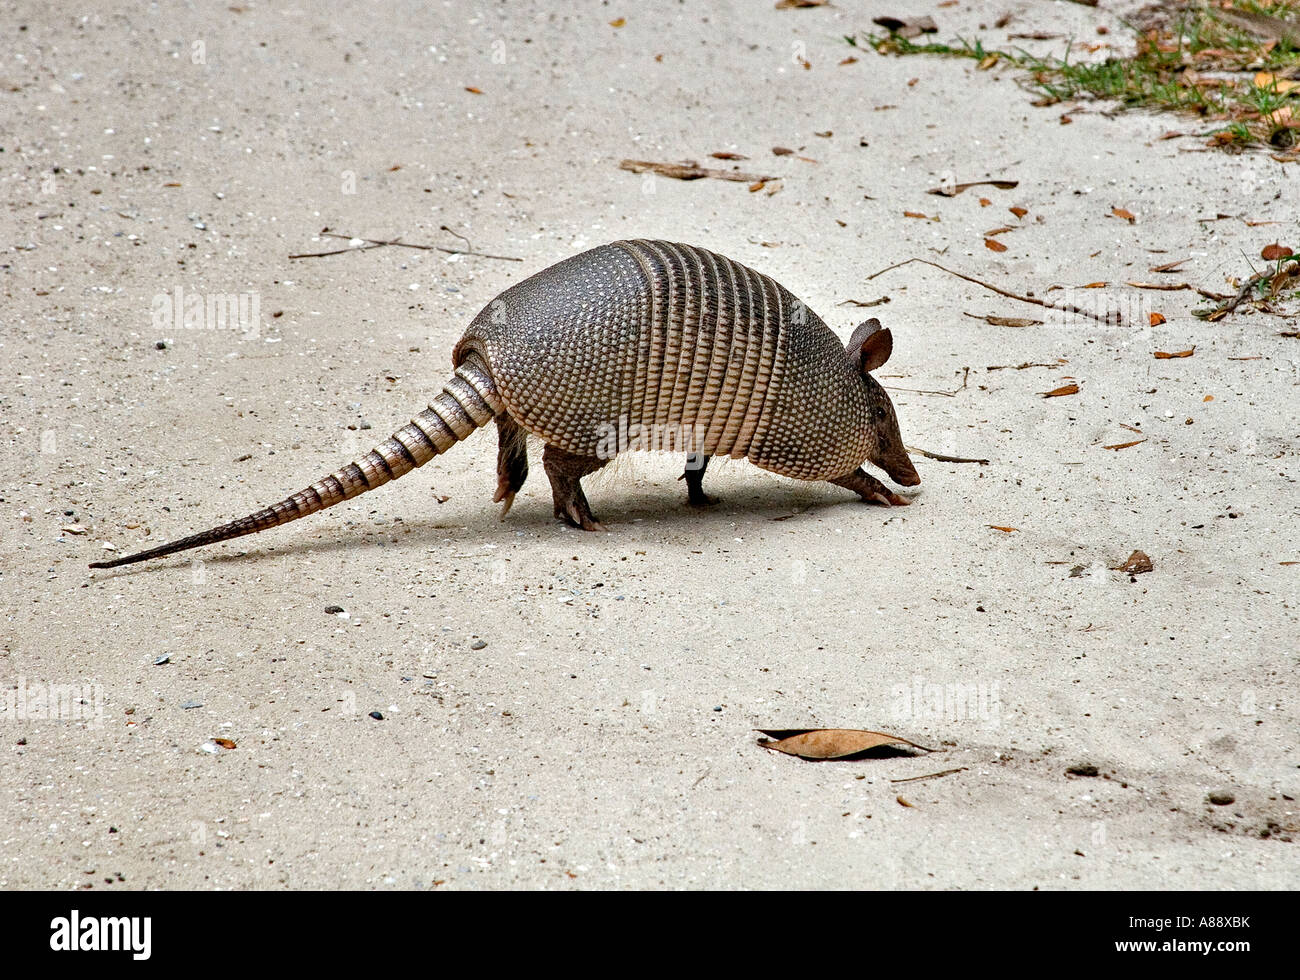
<point x="638" y="345"/>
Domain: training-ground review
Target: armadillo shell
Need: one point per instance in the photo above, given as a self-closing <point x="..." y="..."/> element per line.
<point x="656" y="345"/>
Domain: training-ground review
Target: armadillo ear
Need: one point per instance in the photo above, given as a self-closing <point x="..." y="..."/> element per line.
<point x="870" y="345"/>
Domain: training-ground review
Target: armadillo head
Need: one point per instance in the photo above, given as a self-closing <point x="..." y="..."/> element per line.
<point x="869" y="348"/>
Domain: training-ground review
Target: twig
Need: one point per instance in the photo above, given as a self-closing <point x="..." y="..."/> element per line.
<point x="1219" y="312"/>
<point x="379" y="243"/>
<point x="1113" y="318"/>
<point x="691" y="171"/>
<point x="946" y="459"/>
<point x="933" y="775"/>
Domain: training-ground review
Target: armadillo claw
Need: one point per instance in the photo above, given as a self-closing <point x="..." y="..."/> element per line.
<point x="506" y="499"/>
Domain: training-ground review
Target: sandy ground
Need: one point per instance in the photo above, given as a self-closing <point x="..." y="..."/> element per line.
<point x="603" y="737"/>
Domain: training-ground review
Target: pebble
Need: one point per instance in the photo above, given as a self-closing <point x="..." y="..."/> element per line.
<point x="164" y="659"/>
<point x="1221" y="798"/>
<point x="1082" y="769"/>
<point x="191" y="704"/>
<point x="478" y="644"/>
<point x="377" y="715"/>
<point x="333" y="610"/>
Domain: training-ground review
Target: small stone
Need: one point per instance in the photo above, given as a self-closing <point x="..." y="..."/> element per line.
<point x="333" y="610"/>
<point x="1082" y="769"/>
<point x="164" y="659"/>
<point x="363" y="424"/>
<point x="186" y="706"/>
<point x="160" y="345"/>
<point x="377" y="715"/>
<point x="1221" y="798"/>
<point x="478" y="644"/>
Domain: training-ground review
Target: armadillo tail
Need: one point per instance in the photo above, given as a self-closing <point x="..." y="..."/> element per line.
<point x="467" y="401"/>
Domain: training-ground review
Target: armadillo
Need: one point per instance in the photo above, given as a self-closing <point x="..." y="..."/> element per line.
<point x="638" y="345"/>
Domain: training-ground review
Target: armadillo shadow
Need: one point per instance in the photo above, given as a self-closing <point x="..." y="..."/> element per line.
<point x="639" y="511"/>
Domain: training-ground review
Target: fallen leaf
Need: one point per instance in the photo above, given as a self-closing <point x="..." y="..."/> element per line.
<point x="727" y="155"/>
<point x="1095" y="285"/>
<point x="918" y="214"/>
<point x="688" y="171"/>
<point x="1168" y="266"/>
<point x="907" y="28"/>
<point x="1265" y="79"/>
<point x="825" y="134"/>
<point x="1272" y="253"/>
<point x="988" y="61"/>
<point x="1070" y="389"/>
<point x="172" y="183"/>
<point x="994" y="245"/>
<point x="998" y="231"/>
<point x="850" y="60"/>
<point x="1006" y="321"/>
<point x="1125" y="445"/>
<point x="757" y="186"/>
<point x="791" y="4"/>
<point x="829" y="743"/>
<point x="903" y="802"/>
<point x="1126" y="215"/>
<point x="952" y="190"/>
<point x="1208" y="398"/>
<point x="1018" y="212"/>
<point x="1137" y="563"/>
<point x="1155" y="319"/>
<point x="1166" y="355"/>
<point x="474" y="91"/>
<point x="1005" y="530"/>
<point x="985" y="202"/>
<point x="618" y="23"/>
<point x="782" y="151"/>
<point x="225" y="743"/>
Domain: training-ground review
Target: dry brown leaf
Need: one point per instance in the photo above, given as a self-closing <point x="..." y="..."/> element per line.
<point x="1125" y="445"/>
<point x="1162" y="355"/>
<point x="689" y="171"/>
<point x="1155" y="319"/>
<point x="850" y="60"/>
<point x="1208" y="398"/>
<point x="1137" y="563"/>
<point x="985" y="202"/>
<point x="1128" y="216"/>
<point x="1271" y="253"/>
<point x="952" y="190"/>
<point x="791" y="4"/>
<point x="1005" y="530"/>
<point x="998" y="231"/>
<point x="1018" y="212"/>
<point x="225" y="743"/>
<point x="757" y="186"/>
<point x="1005" y="321"/>
<point x="782" y="151"/>
<point x="902" y="802"/>
<point x="907" y="28"/>
<point x="728" y="155"/>
<point x="172" y="183"/>
<point x="918" y="214"/>
<point x="1265" y="79"/>
<point x="825" y="134"/>
<point x="1095" y="285"/>
<point x="994" y="245"/>
<point x="618" y="23"/>
<point x="829" y="743"/>
<point x="1070" y="389"/>
<point x="472" y="90"/>
<point x="1168" y="266"/>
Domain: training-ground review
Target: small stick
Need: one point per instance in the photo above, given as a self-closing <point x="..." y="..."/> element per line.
<point x="1114" y="318"/>
<point x="1223" y="310"/>
<point x="427" y="248"/>
<point x="933" y="775"/>
<point x="946" y="459"/>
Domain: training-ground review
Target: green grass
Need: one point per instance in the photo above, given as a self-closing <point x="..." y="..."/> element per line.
<point x="1166" y="71"/>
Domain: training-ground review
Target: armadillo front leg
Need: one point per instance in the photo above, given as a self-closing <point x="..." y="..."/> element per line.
<point x="512" y="460"/>
<point x="565" y="470"/>
<point x="870" y="489"/>
<point x="694" y="477"/>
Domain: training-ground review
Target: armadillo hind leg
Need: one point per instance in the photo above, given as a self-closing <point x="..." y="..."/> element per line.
<point x="566" y="470"/>
<point x="870" y="489"/>
<point x="694" y="477"/>
<point x="512" y="461"/>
